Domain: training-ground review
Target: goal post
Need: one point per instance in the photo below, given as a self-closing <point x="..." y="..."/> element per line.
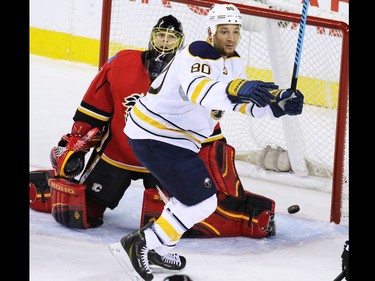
<point x="317" y="140"/>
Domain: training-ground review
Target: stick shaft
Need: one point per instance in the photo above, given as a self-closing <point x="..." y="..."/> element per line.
<point x="340" y="276"/>
<point x="301" y="35"/>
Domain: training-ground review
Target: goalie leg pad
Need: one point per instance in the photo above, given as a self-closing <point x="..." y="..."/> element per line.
<point x="152" y="206"/>
<point x="68" y="203"/>
<point x="219" y="160"/>
<point x="252" y="217"/>
<point x="39" y="191"/>
<point x="260" y="211"/>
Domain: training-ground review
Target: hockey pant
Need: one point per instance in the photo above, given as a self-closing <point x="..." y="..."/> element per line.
<point x="238" y="213"/>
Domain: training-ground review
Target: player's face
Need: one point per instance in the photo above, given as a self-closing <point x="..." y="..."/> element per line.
<point x="226" y="38"/>
<point x="166" y="41"/>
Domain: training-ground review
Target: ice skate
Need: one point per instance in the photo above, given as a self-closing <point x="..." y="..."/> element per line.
<point x="132" y="254"/>
<point x="170" y="262"/>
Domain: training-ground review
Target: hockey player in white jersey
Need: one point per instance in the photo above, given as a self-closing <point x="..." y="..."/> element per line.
<point x="167" y="127"/>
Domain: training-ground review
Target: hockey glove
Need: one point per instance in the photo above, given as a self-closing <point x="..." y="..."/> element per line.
<point x="67" y="163"/>
<point x="244" y="91"/>
<point x="286" y="102"/>
<point x="68" y="200"/>
<point x="68" y="158"/>
<point x="78" y="142"/>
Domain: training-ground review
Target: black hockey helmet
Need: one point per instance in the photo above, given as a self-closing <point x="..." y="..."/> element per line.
<point x="166" y="38"/>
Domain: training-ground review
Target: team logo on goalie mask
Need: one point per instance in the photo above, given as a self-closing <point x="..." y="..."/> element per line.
<point x="208" y="182"/>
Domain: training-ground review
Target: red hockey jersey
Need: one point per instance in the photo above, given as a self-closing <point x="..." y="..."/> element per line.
<point x="107" y="101"/>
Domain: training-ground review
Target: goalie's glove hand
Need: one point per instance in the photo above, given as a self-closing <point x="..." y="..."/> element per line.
<point x="287" y="101"/>
<point x="67" y="163"/>
<point x="244" y="91"/>
<point x="68" y="158"/>
<point x="78" y="142"/>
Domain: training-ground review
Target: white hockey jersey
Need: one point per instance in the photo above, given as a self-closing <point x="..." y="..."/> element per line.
<point x="189" y="97"/>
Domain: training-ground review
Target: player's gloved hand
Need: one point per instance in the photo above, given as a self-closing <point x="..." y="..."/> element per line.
<point x="245" y="91"/>
<point x="82" y="137"/>
<point x="67" y="163"/>
<point x="68" y="158"/>
<point x="286" y="102"/>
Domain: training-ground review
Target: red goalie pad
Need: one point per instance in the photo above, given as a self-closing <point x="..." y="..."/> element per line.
<point x="152" y="206"/>
<point x="219" y="160"/>
<point x="39" y="191"/>
<point x="68" y="202"/>
<point x="252" y="217"/>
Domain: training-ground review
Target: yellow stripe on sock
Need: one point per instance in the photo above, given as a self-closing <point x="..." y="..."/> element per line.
<point x="169" y="230"/>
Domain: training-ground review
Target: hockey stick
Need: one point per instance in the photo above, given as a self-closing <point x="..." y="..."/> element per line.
<point x="341" y="276"/>
<point x="297" y="58"/>
<point x="301" y="35"/>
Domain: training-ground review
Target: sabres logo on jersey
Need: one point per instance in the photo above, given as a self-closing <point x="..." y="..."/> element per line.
<point x="217" y="114"/>
<point x="130" y="101"/>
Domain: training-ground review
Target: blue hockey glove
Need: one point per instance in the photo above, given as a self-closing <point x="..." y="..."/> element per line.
<point x="244" y="91"/>
<point x="286" y="102"/>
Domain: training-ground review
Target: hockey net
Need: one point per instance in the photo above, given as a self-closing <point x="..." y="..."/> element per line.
<point x="316" y="141"/>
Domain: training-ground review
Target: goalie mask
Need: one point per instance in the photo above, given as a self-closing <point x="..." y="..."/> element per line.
<point x="166" y="38"/>
<point x="67" y="163"/>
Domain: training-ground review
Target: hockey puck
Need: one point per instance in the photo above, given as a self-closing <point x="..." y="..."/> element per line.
<point x="293" y="209"/>
<point x="178" y="277"/>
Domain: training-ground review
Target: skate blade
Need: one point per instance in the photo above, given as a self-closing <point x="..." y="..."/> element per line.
<point x="123" y="259"/>
<point x="162" y="270"/>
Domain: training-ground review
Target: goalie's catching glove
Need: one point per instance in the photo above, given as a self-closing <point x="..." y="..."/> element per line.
<point x="244" y="91"/>
<point x="67" y="163"/>
<point x="287" y="101"/>
<point x="68" y="158"/>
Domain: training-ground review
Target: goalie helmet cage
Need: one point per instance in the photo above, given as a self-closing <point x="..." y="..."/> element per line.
<point x="317" y="140"/>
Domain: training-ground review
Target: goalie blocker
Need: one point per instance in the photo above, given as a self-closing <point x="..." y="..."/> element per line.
<point x="238" y="213"/>
<point x="64" y="199"/>
<point x="69" y="203"/>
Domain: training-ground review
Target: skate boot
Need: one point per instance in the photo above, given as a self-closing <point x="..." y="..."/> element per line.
<point x="170" y="262"/>
<point x="135" y="246"/>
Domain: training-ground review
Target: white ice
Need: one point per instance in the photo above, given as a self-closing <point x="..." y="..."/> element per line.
<point x="306" y="247"/>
